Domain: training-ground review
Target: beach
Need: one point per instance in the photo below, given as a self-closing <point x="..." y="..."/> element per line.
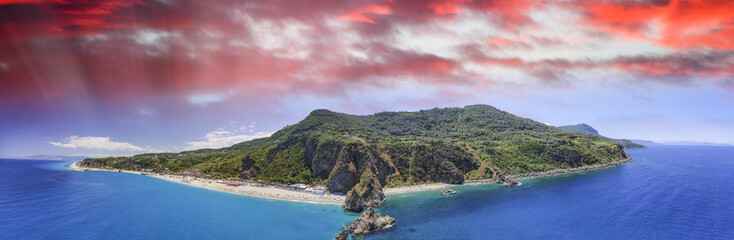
<point x="416" y="188"/>
<point x="555" y="172"/>
<point x="248" y="190"/>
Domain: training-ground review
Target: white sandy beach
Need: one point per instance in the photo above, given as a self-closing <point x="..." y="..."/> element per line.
<point x="416" y="188"/>
<point x="263" y="192"/>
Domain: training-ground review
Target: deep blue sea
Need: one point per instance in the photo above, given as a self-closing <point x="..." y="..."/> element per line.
<point x="666" y="192"/>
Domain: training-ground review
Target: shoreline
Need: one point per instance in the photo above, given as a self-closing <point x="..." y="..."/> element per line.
<point x="246" y="190"/>
<point x="295" y="196"/>
<point x="555" y="172"/>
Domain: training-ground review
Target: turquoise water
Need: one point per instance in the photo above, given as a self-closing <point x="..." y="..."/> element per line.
<point x="42" y="200"/>
<point x="664" y="193"/>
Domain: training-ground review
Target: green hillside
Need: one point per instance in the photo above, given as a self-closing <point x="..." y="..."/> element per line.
<point x="359" y="155"/>
<point x="586" y="129"/>
<point x="580" y="128"/>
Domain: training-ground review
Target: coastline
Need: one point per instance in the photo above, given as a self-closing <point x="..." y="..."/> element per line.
<point x="555" y="172"/>
<point x="287" y="195"/>
<point x="252" y="191"/>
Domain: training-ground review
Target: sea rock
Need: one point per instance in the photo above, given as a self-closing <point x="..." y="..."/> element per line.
<point x="368" y="221"/>
<point x="507" y="181"/>
<point x="371" y="221"/>
<point x="343" y="234"/>
<point x="510" y="183"/>
<point x="448" y="191"/>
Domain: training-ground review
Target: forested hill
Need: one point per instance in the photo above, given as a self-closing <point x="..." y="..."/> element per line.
<point x="586" y="129"/>
<point x="359" y="155"/>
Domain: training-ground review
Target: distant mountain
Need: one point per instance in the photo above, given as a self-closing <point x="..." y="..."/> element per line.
<point x="359" y="155"/>
<point x="678" y="143"/>
<point x="586" y="129"/>
<point x="692" y="143"/>
<point x="52" y="157"/>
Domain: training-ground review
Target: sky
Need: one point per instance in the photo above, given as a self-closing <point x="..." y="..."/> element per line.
<point x="104" y="78"/>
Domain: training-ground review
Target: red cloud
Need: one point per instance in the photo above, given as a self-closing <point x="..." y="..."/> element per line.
<point x="361" y="15"/>
<point x="123" y="50"/>
<point x="680" y="23"/>
<point x="69" y="19"/>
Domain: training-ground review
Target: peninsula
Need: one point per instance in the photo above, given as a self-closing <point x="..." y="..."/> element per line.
<point x="359" y="156"/>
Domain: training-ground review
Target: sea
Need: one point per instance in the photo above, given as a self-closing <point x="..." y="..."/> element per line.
<point x="665" y="192"/>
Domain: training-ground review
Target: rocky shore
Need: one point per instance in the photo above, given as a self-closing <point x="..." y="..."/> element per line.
<point x="509" y="180"/>
<point x="568" y="170"/>
<point x="368" y="221"/>
<point x="448" y="191"/>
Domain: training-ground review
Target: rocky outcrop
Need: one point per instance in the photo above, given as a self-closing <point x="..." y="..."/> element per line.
<point x="322" y="155"/>
<point x="343" y="234"/>
<point x="508" y="181"/>
<point x="450" y="174"/>
<point x="343" y="177"/>
<point x="368" y="221"/>
<point x="368" y="193"/>
<point x="448" y="191"/>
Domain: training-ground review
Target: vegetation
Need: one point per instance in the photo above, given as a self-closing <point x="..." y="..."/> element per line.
<point x="586" y="129"/>
<point x="396" y="148"/>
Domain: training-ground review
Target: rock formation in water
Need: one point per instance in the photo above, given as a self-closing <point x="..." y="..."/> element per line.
<point x="368" y="221"/>
<point x="448" y="191"/>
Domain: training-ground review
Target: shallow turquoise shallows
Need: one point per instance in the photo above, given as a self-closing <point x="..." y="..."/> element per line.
<point x="42" y="200"/>
<point x="664" y="193"/>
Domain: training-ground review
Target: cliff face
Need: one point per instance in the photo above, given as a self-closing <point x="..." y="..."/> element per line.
<point x="360" y="155"/>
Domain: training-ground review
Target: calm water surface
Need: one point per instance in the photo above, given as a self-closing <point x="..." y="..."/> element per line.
<point x="670" y="192"/>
